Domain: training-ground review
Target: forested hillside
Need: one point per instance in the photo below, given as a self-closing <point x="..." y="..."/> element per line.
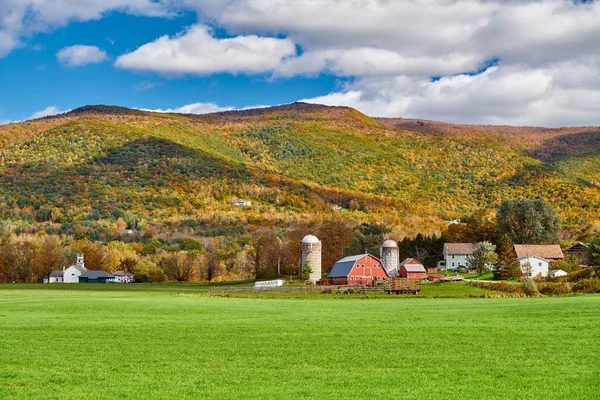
<point x="99" y="171"/>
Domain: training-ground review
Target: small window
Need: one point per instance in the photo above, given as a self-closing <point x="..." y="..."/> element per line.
<point x="453" y="263"/>
<point x="540" y="264"/>
<point x="453" y="256"/>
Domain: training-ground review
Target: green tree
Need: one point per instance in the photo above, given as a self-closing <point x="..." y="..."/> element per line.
<point x="528" y="221"/>
<point x="594" y="251"/>
<point x="306" y="271"/>
<point x="483" y="257"/>
<point x="367" y="238"/>
<point x="508" y="267"/>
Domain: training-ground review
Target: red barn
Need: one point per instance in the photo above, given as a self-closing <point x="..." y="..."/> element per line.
<point x="411" y="268"/>
<point x="357" y="270"/>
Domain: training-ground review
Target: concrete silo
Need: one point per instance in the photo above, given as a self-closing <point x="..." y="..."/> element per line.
<point x="389" y="255"/>
<point x="311" y="253"/>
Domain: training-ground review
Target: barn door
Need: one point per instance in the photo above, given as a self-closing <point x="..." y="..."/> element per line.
<point x="367" y="271"/>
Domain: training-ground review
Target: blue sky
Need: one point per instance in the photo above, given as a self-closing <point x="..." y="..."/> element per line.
<point x="530" y="62"/>
<point x="32" y="78"/>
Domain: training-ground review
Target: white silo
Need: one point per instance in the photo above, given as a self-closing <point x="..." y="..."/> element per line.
<point x="390" y="254"/>
<point x="311" y="253"/>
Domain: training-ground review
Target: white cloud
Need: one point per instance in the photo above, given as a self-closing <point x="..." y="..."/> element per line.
<point x="21" y="18"/>
<point x="80" y="55"/>
<point x="195" y="108"/>
<point x="46" y="112"/>
<point x="196" y="51"/>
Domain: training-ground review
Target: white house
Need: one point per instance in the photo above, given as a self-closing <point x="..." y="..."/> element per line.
<point x="54" y="277"/>
<point x="555" y="273"/>
<point x="123" y="277"/>
<point x="455" y="254"/>
<point x="72" y="274"/>
<point x="242" y="203"/>
<point x="533" y="266"/>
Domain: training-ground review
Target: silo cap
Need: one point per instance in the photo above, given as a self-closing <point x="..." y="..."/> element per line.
<point x="310" y="239"/>
<point x="390" y="243"/>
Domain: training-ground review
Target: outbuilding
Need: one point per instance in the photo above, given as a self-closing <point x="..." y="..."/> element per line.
<point x="357" y="270"/>
<point x="556" y="273"/>
<point x="411" y="268"/>
<point x="96" y="277"/>
<point x="55" y="277"/>
<point x="123" y="277"/>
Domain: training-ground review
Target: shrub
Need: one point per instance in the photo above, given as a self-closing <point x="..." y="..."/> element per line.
<point x="327" y="290"/>
<point x="530" y="287"/>
<point x="590" y="285"/>
<point x="140" y="277"/>
<point x="585" y="273"/>
<point x="554" y="288"/>
<point x="500" y="287"/>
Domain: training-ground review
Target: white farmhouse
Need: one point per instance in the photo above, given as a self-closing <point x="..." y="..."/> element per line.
<point x="455" y="254"/>
<point x="533" y="266"/>
<point x="123" y="277"/>
<point x="72" y="274"/>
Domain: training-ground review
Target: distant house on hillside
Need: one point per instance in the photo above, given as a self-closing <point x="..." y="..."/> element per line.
<point x="550" y="252"/>
<point x="242" y="203"/>
<point x="357" y="270"/>
<point x="96" y="277"/>
<point x="579" y="251"/>
<point x="455" y="254"/>
<point x="532" y="266"/>
<point x="411" y="268"/>
<point x="123" y="277"/>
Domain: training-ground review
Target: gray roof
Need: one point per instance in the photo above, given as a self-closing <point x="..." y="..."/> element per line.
<point x="57" y="274"/>
<point x="122" y="273"/>
<point x="81" y="269"/>
<point x="414" y="268"/>
<point x="91" y="274"/>
<point x="342" y="268"/>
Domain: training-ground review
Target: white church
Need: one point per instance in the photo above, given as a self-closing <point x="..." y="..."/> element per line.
<point x="69" y="275"/>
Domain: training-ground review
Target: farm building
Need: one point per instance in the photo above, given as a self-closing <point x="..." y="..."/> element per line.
<point x="357" y="270"/>
<point x="550" y="252"/>
<point x="411" y="268"/>
<point x="455" y="254"/>
<point x="579" y="251"/>
<point x="54" y="277"/>
<point x="123" y="277"/>
<point x="389" y="255"/>
<point x="72" y="274"/>
<point x="96" y="277"/>
<point x="533" y="266"/>
<point x="556" y="273"/>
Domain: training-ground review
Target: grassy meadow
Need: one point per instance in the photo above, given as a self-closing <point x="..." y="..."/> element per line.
<point x="156" y="342"/>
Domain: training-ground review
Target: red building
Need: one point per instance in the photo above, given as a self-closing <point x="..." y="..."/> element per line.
<point x="357" y="270"/>
<point x="411" y="268"/>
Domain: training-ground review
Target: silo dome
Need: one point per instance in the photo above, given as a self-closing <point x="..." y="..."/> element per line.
<point x="389" y="243"/>
<point x="310" y="239"/>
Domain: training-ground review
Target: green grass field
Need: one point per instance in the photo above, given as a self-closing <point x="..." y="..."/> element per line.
<point x="152" y="342"/>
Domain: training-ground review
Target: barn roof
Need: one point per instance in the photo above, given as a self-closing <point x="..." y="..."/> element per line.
<point x="412" y="265"/>
<point x="342" y="268"/>
<point x="92" y="274"/>
<point x="548" y="251"/>
<point x="460" y="248"/>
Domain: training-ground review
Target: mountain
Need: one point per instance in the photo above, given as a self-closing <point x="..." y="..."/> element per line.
<point x="100" y="167"/>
